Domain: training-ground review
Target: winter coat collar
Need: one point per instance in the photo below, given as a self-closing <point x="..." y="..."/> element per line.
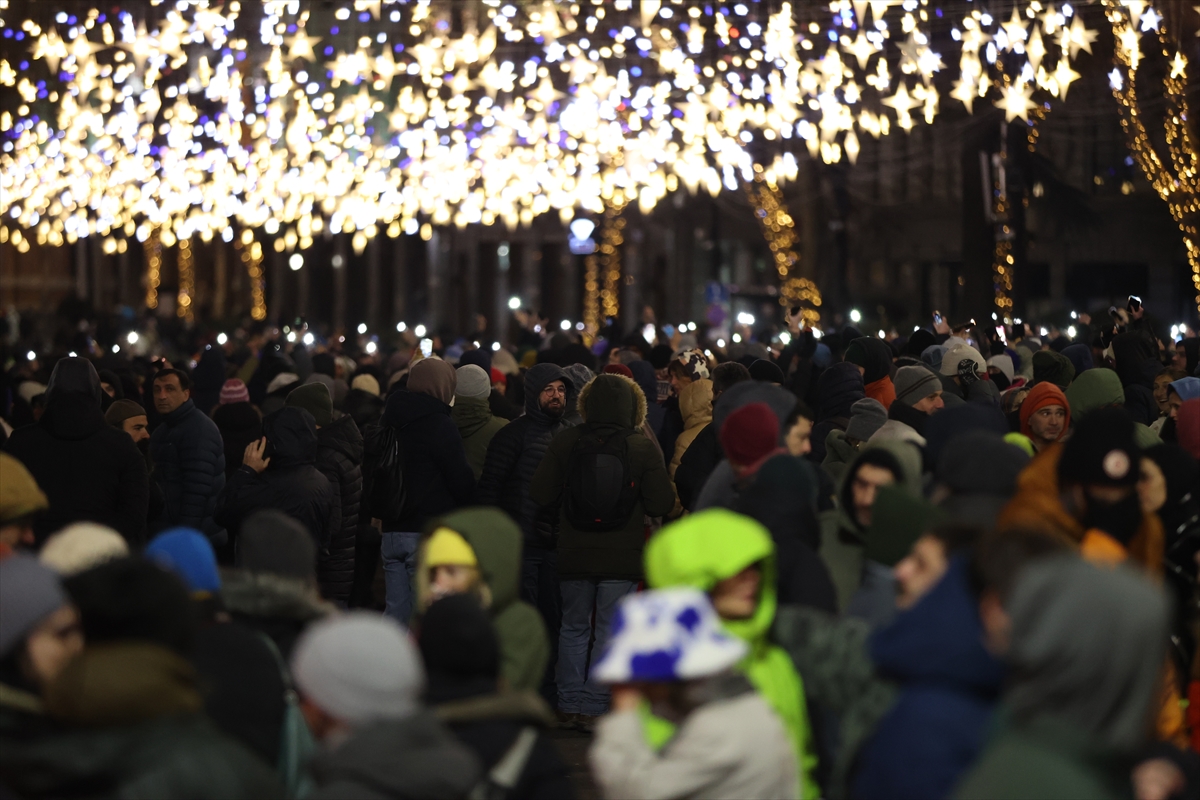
<point x="613" y="400"/>
<point x="269" y="596"/>
<point x="176" y="416"/>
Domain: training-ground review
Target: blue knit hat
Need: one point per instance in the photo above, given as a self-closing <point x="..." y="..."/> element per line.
<point x="187" y="553"/>
<point x="667" y="635"/>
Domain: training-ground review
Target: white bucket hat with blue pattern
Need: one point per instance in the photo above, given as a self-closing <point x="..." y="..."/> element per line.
<point x="667" y="635"/>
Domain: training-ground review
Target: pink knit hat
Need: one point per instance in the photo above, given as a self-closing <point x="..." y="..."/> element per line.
<point x="234" y="391"/>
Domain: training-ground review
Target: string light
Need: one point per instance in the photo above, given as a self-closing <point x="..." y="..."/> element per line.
<point x="252" y="257"/>
<point x="1178" y="184"/>
<point x="153" y="250"/>
<point x="187" y="282"/>
<point x="611" y="239"/>
<point x="779" y="229"/>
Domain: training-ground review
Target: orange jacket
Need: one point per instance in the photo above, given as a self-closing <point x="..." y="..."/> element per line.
<point x="882" y="390"/>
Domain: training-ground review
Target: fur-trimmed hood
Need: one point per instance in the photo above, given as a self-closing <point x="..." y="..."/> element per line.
<point x="266" y="595"/>
<point x="613" y="400"/>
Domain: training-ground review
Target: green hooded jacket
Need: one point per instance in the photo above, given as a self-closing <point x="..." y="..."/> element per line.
<point x="704" y="549"/>
<point x="496" y="540"/>
<point x="607" y="404"/>
<point x="476" y="426"/>
<point x="1101" y="388"/>
<point x="838" y="454"/>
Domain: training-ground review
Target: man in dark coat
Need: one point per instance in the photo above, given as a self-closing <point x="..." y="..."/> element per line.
<point x="188" y="454"/>
<point x="339" y="457"/>
<point x="279" y="471"/>
<point x="238" y="420"/>
<point x="437" y="477"/>
<point x="89" y="470"/>
<point x="512" y="457"/>
<point x="838" y="388"/>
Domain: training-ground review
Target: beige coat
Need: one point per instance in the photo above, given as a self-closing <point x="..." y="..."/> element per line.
<point x="696" y="407"/>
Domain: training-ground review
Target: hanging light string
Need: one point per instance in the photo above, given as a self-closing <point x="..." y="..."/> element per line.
<point x="1179" y="183"/>
<point x="184" y="308"/>
<point x="252" y="257"/>
<point x="153" y="250"/>
<point x="778" y="227"/>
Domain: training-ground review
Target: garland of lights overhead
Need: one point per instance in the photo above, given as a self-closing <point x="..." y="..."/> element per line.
<point x="1178" y="183"/>
<point x="383" y="115"/>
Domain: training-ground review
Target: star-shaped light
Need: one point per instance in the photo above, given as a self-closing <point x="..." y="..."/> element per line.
<point x="1064" y="76"/>
<point x="1050" y="20"/>
<point x="368" y="5"/>
<point x="964" y="92"/>
<point x="1150" y="20"/>
<point x="51" y="48"/>
<point x="301" y="45"/>
<point x="910" y="52"/>
<point x="1016" y="102"/>
<point x="1077" y="37"/>
<point x="1130" y="43"/>
<point x="1178" y="66"/>
<point x="861" y="49"/>
<point x="903" y="103"/>
<point x="1035" y="50"/>
<point x="929" y="63"/>
<point x="1014" y="29"/>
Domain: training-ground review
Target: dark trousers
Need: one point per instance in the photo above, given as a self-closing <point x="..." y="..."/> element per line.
<point x="540" y="588"/>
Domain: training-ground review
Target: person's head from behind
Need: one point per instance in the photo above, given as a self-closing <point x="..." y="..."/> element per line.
<point x="21" y="501"/>
<point x="665" y="642"/>
<point x="1099" y="471"/>
<point x="273" y="543"/>
<point x="874" y="469"/>
<point x="133" y="600"/>
<point x="450" y="563"/>
<point x="749" y="435"/>
<point x="189" y="555"/>
<point x="799" y="425"/>
<point x="356" y="669"/>
<point x="460" y="649"/>
<point x="171" y="388"/>
<point x="81" y="546"/>
<point x="726" y="375"/>
<point x="929" y="559"/>
<point x="39" y="626"/>
<point x="996" y="562"/>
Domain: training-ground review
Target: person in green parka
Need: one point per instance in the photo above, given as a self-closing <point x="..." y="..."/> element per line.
<point x="1101" y="388"/>
<point x="478" y="550"/>
<point x="473" y="416"/>
<point x="732" y="557"/>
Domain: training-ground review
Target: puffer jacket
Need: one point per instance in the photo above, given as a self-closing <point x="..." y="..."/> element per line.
<point x="515" y="453"/>
<point x="89" y="470"/>
<point x="477" y="426"/>
<point x="695" y="403"/>
<point x="437" y="477"/>
<point x="340" y="459"/>
<point x="291" y="483"/>
<point x="607" y="404"/>
<point x="189" y="463"/>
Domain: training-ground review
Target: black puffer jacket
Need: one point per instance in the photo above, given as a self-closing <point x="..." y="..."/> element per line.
<point x="239" y="424"/>
<point x="189" y="464"/>
<point x="291" y="483"/>
<point x="515" y="453"/>
<point x="340" y="458"/>
<point x="89" y="470"/>
<point x="437" y="477"/>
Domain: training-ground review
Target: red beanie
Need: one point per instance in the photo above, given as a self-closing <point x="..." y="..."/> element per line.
<point x="1187" y="426"/>
<point x="750" y="434"/>
<point x="1042" y="395"/>
<point x="498" y="377"/>
<point x="618" y="369"/>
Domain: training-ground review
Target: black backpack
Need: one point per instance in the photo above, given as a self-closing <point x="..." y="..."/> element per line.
<point x="601" y="494"/>
<point x="389" y="495"/>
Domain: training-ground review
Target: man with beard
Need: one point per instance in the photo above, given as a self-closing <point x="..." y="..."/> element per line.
<point x="512" y="457"/>
<point x="1045" y="415"/>
<point x="129" y="417"/>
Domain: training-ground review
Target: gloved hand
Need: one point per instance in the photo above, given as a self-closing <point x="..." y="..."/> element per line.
<point x="968" y="371"/>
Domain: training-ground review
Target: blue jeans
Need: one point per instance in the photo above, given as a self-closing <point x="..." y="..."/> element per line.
<point x="588" y="608"/>
<point x="399" y="551"/>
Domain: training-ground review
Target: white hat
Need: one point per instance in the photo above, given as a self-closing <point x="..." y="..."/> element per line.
<point x="82" y="546"/>
<point x="667" y="635"/>
<point x="281" y="380"/>
<point x="359" y="667"/>
<point x="956" y="355"/>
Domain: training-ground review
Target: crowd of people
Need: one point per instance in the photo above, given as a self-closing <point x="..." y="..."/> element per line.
<point x="961" y="563"/>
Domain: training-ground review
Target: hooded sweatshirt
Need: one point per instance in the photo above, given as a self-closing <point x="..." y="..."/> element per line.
<point x="1082" y="693"/>
<point x="291" y="483"/>
<point x="477" y="426"/>
<point x="1100" y="388"/>
<point x="838" y="388"/>
<point x="496" y="540"/>
<point x="89" y="471"/>
<point x="701" y="551"/>
<point x="608" y="404"/>
<point x="696" y="406"/>
<point x="948" y="682"/>
<point x="515" y="452"/>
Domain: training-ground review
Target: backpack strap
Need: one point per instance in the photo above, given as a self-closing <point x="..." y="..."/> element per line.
<point x="507" y="771"/>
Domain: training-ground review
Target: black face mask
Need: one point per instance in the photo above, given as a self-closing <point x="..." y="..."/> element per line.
<point x="1119" y="520"/>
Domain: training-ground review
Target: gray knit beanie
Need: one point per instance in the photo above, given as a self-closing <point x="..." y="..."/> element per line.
<point x="29" y="592"/>
<point x="914" y="384"/>
<point x="866" y="416"/>
<point x="472" y="382"/>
